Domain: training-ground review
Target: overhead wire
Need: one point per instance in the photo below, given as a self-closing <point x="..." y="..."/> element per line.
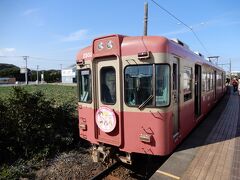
<point x="190" y="28"/>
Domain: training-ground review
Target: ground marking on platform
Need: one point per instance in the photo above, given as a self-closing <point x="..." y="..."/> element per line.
<point x="168" y="174"/>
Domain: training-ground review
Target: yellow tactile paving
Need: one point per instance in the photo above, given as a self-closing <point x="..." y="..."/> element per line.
<point x="168" y="174"/>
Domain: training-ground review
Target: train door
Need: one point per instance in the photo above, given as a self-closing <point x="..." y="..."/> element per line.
<point x="223" y="81"/>
<point x="108" y="101"/>
<point x="215" y="85"/>
<point x="175" y="96"/>
<point x="197" y="98"/>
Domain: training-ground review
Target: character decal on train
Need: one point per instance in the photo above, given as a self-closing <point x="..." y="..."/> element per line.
<point x="106" y="119"/>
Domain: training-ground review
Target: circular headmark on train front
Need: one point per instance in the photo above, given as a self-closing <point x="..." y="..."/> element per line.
<point x="106" y="119"/>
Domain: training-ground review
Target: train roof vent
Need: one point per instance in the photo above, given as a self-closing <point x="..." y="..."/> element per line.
<point x="199" y="54"/>
<point x="180" y="42"/>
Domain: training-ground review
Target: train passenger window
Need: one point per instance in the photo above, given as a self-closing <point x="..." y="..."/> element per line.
<point x="108" y="85"/>
<point x="138" y="84"/>
<point x="84" y="86"/>
<point x="208" y="81"/>
<point x="204" y="81"/>
<point x="162" y="85"/>
<point x="187" y="83"/>
<point x="211" y="81"/>
<point x="220" y="79"/>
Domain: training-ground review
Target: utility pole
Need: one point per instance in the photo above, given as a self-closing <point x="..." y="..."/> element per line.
<point x="229" y="71"/>
<point x="42" y="77"/>
<point x="25" y="58"/>
<point x="37" y="75"/>
<point x="145" y="19"/>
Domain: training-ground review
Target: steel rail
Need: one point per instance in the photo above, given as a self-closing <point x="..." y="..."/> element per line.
<point x="107" y="171"/>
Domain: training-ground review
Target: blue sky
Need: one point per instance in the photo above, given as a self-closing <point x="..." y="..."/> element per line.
<point x="51" y="32"/>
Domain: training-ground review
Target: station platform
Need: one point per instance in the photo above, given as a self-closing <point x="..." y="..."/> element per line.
<point x="212" y="150"/>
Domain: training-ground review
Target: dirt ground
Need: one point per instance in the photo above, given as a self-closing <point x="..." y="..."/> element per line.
<point x="78" y="164"/>
<point x="71" y="165"/>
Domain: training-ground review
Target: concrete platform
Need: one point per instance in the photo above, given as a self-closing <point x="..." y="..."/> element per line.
<point x="212" y="150"/>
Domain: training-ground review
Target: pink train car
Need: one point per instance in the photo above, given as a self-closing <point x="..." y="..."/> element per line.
<point x="142" y="94"/>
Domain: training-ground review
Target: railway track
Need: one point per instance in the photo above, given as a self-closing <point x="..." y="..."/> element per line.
<point x="107" y="171"/>
<point x="143" y="168"/>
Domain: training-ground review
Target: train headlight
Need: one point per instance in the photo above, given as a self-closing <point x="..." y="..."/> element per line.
<point x="106" y="119"/>
<point x="109" y="44"/>
<point x="100" y="46"/>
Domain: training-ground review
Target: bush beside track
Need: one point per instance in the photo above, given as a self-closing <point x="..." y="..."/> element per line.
<point x="34" y="125"/>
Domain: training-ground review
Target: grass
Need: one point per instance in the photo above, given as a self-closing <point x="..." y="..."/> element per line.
<point x="58" y="93"/>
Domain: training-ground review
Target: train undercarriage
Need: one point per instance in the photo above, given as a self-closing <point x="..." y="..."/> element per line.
<point x="103" y="153"/>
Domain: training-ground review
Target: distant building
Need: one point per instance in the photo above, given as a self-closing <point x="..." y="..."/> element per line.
<point x="235" y="73"/>
<point x="69" y="74"/>
<point x="7" y="80"/>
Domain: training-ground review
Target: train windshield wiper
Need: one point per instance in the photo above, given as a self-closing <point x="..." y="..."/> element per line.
<point x="141" y="106"/>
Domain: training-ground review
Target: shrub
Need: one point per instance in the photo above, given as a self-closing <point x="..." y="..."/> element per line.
<point x="30" y="124"/>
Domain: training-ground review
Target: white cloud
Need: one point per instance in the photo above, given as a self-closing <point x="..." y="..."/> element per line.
<point x="7" y="51"/>
<point x="81" y="34"/>
<point x="29" y="12"/>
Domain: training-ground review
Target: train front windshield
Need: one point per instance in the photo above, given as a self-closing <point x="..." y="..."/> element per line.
<point x="144" y="84"/>
<point x="139" y="85"/>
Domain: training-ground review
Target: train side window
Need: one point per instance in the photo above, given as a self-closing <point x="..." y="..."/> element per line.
<point x="220" y="75"/>
<point x="187" y="83"/>
<point x="162" y="85"/>
<point x="138" y="84"/>
<point x="220" y="79"/>
<point x="211" y="80"/>
<point x="108" y="85"/>
<point x="208" y="81"/>
<point x="223" y="78"/>
<point x="204" y="81"/>
<point x="84" y="86"/>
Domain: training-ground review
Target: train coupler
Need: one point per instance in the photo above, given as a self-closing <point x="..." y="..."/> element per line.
<point x="127" y="159"/>
<point x="101" y="153"/>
